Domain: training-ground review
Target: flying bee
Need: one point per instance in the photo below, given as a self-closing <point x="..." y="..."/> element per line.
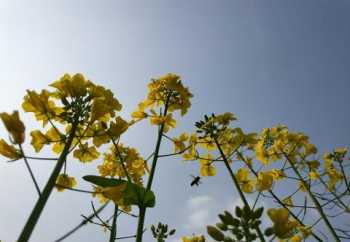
<point x="196" y="180"/>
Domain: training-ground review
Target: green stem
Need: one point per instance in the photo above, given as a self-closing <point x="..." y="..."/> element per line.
<point x="40" y="204"/>
<point x="30" y="171"/>
<point x="241" y="194"/>
<point x="113" y="236"/>
<point x="315" y="201"/>
<point x="142" y="213"/>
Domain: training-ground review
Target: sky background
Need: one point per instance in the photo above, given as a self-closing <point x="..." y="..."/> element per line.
<point x="268" y="62"/>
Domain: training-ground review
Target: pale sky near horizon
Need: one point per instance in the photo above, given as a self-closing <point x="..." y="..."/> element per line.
<point x="268" y="62"/>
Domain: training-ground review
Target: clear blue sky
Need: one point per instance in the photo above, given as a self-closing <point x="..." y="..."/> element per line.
<point x="268" y="62"/>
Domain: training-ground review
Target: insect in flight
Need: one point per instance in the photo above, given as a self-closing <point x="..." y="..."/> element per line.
<point x="196" y="180"/>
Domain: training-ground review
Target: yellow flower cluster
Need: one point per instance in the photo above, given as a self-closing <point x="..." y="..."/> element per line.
<point x="120" y="157"/>
<point x="169" y="92"/>
<point x="334" y="175"/>
<point x="277" y="142"/>
<point x="78" y="101"/>
<point x="286" y="229"/>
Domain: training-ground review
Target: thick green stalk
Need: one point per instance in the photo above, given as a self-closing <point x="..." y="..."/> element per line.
<point x="315" y="201"/>
<point x="241" y="194"/>
<point x="113" y="236"/>
<point x="142" y="213"/>
<point x="40" y="204"/>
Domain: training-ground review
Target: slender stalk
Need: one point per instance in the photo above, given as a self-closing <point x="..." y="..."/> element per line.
<point x="241" y="194"/>
<point x="142" y="213"/>
<point x="30" y="171"/>
<point x="40" y="204"/>
<point x="81" y="224"/>
<point x="315" y="201"/>
<point x="113" y="236"/>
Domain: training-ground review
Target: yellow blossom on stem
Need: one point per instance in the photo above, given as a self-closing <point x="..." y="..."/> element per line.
<point x="191" y="153"/>
<point x="140" y="113"/>
<point x="118" y="127"/>
<point x="114" y="193"/>
<point x="56" y="138"/>
<point x="85" y="153"/>
<point x="283" y="227"/>
<point x="71" y="86"/>
<point x="169" y="89"/>
<point x="206" y="166"/>
<point x="14" y="126"/>
<point x="167" y="120"/>
<point x="264" y="181"/>
<point x="247" y="184"/>
<point x="314" y="175"/>
<point x="43" y="108"/>
<point x="38" y="140"/>
<point x="64" y="181"/>
<point x="288" y="201"/>
<point x="9" y="151"/>
<point x="295" y="238"/>
<point x="179" y="144"/>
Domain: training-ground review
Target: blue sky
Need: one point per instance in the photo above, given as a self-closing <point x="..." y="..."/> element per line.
<point x="268" y="62"/>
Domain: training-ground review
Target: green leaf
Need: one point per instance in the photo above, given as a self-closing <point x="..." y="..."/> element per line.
<point x="133" y="194"/>
<point x="103" y="181"/>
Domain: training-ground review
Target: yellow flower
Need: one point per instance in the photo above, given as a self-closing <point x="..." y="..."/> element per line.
<point x="114" y="193"/>
<point x="277" y="174"/>
<point x="98" y="193"/>
<point x="206" y="166"/>
<point x="283" y="227"/>
<point x="261" y="154"/>
<point x="14" y="126"/>
<point x="341" y="151"/>
<point x="167" y="121"/>
<point x="56" y="138"/>
<point x="118" y="127"/>
<point x="100" y="110"/>
<point x="140" y="113"/>
<point x="303" y="186"/>
<point x="9" y="151"/>
<point x="264" y="181"/>
<point x="68" y="86"/>
<point x="314" y="175"/>
<point x="198" y="238"/>
<point x="191" y="154"/>
<point x="225" y="118"/>
<point x="288" y="201"/>
<point x="85" y="153"/>
<point x="247" y="184"/>
<point x="179" y="144"/>
<point x="295" y="238"/>
<point x="306" y="231"/>
<point x="43" y="108"/>
<point x="64" y="181"/>
<point x="38" y="140"/>
<point x="207" y="143"/>
<point x="169" y="89"/>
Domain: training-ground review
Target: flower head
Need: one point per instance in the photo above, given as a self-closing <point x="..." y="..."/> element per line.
<point x="14" y="126"/>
